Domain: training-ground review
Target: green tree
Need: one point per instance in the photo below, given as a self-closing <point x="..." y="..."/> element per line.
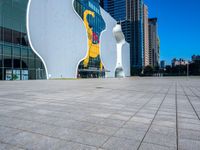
<point x="168" y="69"/>
<point x="148" y="70"/>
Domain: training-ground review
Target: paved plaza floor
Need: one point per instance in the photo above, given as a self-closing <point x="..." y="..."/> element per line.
<point x="101" y="114"/>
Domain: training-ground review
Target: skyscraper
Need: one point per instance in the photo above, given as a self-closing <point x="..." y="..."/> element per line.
<point x="146" y="36"/>
<point x="154" y="43"/>
<point x="162" y="64"/>
<point x="130" y="14"/>
<point x="116" y="8"/>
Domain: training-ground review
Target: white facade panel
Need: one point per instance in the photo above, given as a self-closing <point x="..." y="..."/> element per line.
<point x="59" y="37"/>
<point x="126" y="59"/>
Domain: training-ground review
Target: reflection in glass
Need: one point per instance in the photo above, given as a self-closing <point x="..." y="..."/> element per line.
<point x="16" y="56"/>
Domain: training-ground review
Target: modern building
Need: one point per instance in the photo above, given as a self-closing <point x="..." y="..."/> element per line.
<point x="179" y="62"/>
<point x="154" y="43"/>
<point x="195" y="58"/>
<point x="80" y="35"/>
<point x="158" y="51"/>
<point x="41" y="40"/>
<point x="17" y="59"/>
<point x="137" y="55"/>
<point x="130" y="14"/>
<point x="162" y="64"/>
<point x="146" y="35"/>
<point x="116" y="8"/>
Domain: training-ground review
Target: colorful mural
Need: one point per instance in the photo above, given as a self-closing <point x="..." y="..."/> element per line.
<point x="89" y="11"/>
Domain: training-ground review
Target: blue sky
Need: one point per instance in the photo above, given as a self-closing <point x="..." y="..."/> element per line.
<point x="178" y="27"/>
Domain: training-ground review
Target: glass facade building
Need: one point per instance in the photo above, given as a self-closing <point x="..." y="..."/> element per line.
<point x="130" y="14"/>
<point x="17" y="60"/>
<point x="154" y="43"/>
<point x="138" y="50"/>
<point x="116" y="8"/>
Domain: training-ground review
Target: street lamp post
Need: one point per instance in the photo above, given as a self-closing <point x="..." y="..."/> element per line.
<point x="188" y="71"/>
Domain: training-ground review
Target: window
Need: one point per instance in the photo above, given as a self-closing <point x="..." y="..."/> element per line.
<point x="31" y="54"/>
<point x="1" y="50"/>
<point x="7" y="50"/>
<point x="1" y="74"/>
<point x="24" y="74"/>
<point x="1" y="61"/>
<point x="31" y="63"/>
<point x="24" y="52"/>
<point x="16" y="37"/>
<point x="25" y="63"/>
<point x="7" y="35"/>
<point x="32" y="74"/>
<point x="7" y="61"/>
<point x="1" y="34"/>
<point x="38" y="64"/>
<point x="16" y="52"/>
<point x="16" y="75"/>
<point x="8" y="74"/>
<point x="16" y="63"/>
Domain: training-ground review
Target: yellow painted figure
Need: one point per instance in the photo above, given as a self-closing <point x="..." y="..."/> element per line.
<point x="93" y="48"/>
<point x="90" y="13"/>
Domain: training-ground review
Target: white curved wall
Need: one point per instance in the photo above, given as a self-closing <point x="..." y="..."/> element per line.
<point x="59" y="37"/>
<point x="108" y="45"/>
<point x="109" y="48"/>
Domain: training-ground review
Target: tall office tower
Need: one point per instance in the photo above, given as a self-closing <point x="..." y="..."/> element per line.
<point x="158" y="52"/>
<point x="17" y="60"/>
<point x="154" y="44"/>
<point x="116" y="8"/>
<point x="146" y="36"/>
<point x="130" y="14"/>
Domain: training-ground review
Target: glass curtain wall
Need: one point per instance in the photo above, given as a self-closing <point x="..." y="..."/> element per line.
<point x="17" y="59"/>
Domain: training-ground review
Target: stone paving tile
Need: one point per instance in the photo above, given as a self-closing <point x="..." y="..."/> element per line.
<point x="111" y="122"/>
<point x="104" y="114"/>
<point x="185" y="144"/>
<point x="120" y="144"/>
<point x="73" y="146"/>
<point x="119" y="117"/>
<point x="6" y="132"/>
<point x="166" y="123"/>
<point x="189" y="134"/>
<point x="189" y="120"/>
<point x="130" y="134"/>
<point x="141" y="120"/>
<point x="160" y="139"/>
<point x="136" y="126"/>
<point x="189" y="126"/>
<point x="4" y="146"/>
<point x="149" y="146"/>
<point x="145" y="115"/>
<point x="82" y="137"/>
<point x="103" y="130"/>
<point x="163" y="130"/>
<point x="31" y="140"/>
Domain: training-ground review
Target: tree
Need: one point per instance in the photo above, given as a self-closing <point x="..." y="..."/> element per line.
<point x="168" y="69"/>
<point x="156" y="69"/>
<point x="148" y="70"/>
<point x="135" y="71"/>
<point x="195" y="68"/>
